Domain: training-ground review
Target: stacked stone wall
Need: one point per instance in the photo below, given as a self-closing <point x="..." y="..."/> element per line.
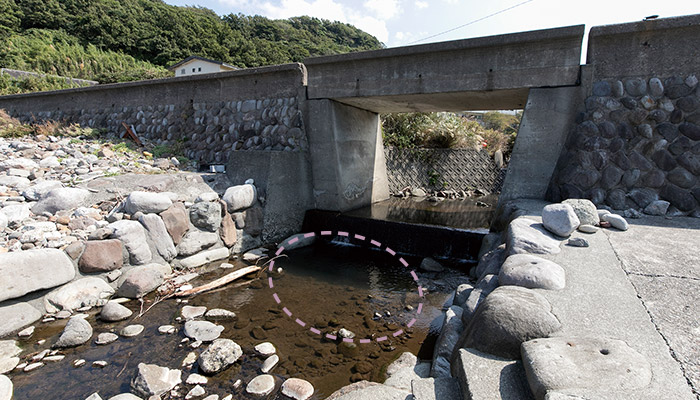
<point x="636" y="141"/>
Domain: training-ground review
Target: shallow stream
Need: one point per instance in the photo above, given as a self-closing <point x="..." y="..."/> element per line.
<point x="330" y="286"/>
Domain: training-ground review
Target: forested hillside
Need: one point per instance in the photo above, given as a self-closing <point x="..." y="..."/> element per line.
<point x="123" y="40"/>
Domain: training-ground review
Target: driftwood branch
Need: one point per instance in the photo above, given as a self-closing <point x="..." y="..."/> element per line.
<point x="228" y="278"/>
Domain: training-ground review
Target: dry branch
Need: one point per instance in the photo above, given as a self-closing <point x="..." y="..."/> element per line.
<point x="228" y="278"/>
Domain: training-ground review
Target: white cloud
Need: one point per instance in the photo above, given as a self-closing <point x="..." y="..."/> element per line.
<point x="371" y="25"/>
<point x="421" y="4"/>
<point x="383" y="9"/>
<point x="326" y="9"/>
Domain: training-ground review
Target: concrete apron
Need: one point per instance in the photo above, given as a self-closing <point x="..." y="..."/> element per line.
<point x="600" y="301"/>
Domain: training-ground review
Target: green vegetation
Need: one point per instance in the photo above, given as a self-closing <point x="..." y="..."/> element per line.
<point x="12" y="128"/>
<point x="449" y="130"/>
<point x="118" y="41"/>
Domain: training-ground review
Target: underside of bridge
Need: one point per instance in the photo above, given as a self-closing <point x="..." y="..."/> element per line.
<point x="346" y="93"/>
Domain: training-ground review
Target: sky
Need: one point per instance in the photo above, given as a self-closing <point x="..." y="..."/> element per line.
<point x="404" y="22"/>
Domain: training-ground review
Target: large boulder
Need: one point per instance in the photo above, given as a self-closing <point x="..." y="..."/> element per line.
<point x="76" y="332"/>
<point x="206" y="215"/>
<point x="601" y="364"/>
<point x="101" y="256"/>
<point x="38" y="190"/>
<point x="451" y="330"/>
<point x="532" y="272"/>
<point x="27" y="271"/>
<point x="153" y="380"/>
<point x="61" y="199"/>
<point x="141" y="280"/>
<point x="509" y="316"/>
<point x="196" y="241"/>
<point x="158" y="233"/>
<point x="240" y="197"/>
<point x="85" y="292"/>
<point x="560" y="219"/>
<point x="147" y="202"/>
<point x="176" y="221"/>
<point x="585" y="211"/>
<point x="16" y="316"/>
<point x="6" y="388"/>
<point x="527" y="236"/>
<point x="219" y="355"/>
<point x="205" y="257"/>
<point x="133" y="237"/>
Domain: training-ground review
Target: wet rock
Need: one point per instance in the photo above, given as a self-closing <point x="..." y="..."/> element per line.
<point x="157" y="232"/>
<point x="616" y="221"/>
<point x="527" y="312"/>
<point x="131" y="330"/>
<point x="192" y="312"/>
<point x="27" y="332"/>
<point x="90" y="291"/>
<point x="240" y="197"/>
<point x="16" y="316"/>
<point x="605" y="365"/>
<point x="154" y="380"/>
<point x="33" y="270"/>
<point x="527" y="236"/>
<point x="113" y="311"/>
<point x="133" y="237"/>
<point x="204" y="331"/>
<point x="219" y="314"/>
<point x="76" y="332"/>
<point x="6" y="388"/>
<point x="206" y="215"/>
<point x="204" y="257"/>
<point x="196" y="241"/>
<point x="265" y="349"/>
<point x="101" y="256"/>
<point x="147" y="202"/>
<point x="166" y="329"/>
<point x="261" y="385"/>
<point x="142" y="280"/>
<point x="269" y="363"/>
<point x="106" y="338"/>
<point x="560" y="219"/>
<point x="585" y="210"/>
<point x="658" y="207"/>
<point x="297" y="389"/>
<point x="462" y="294"/>
<point x="532" y="272"/>
<point x="61" y="199"/>
<point x="430" y="265"/>
<point x="176" y="221"/>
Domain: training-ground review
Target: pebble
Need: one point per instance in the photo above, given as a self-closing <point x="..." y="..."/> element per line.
<point x="99" y="364"/>
<point x="166" y="329"/>
<point x="196" y="391"/>
<point x="265" y="349"/>
<point x="261" y="385"/>
<point x="269" y="363"/>
<point x="26" y="332"/>
<point x="190" y="359"/>
<point x="212" y="397"/>
<point x="587" y="229"/>
<point x="33" y="366"/>
<point x="228" y="397"/>
<point x="616" y="221"/>
<point x="131" y="330"/>
<point x="297" y="389"/>
<point x="196" y="379"/>
<point x="578" y="242"/>
<point x="192" y="312"/>
<point x="106" y="338"/>
<point x="41" y="355"/>
<point x="79" y="363"/>
<point x="219" y="314"/>
<point x="54" y="358"/>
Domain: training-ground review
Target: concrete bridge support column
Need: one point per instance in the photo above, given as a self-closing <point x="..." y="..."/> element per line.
<point x="347" y="156"/>
<point x="547" y="119"/>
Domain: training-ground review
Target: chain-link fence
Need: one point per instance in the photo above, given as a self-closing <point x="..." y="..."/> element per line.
<point x="442" y="169"/>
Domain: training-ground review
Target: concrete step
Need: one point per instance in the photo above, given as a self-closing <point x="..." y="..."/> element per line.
<point x="482" y="376"/>
<point x="435" y="389"/>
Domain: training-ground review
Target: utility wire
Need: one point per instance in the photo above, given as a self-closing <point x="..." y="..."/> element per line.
<point x="472" y="22"/>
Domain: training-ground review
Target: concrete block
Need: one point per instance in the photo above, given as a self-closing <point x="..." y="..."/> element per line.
<point x="482" y="376"/>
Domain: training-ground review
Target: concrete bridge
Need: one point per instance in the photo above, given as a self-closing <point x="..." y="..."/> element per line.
<point x="309" y="134"/>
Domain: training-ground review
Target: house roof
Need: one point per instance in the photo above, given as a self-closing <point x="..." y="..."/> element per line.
<point x="190" y="58"/>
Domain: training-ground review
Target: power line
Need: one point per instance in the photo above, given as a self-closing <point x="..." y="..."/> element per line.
<point x="472" y="22"/>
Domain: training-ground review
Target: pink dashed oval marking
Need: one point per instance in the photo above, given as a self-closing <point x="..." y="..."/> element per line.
<point x="315" y="331"/>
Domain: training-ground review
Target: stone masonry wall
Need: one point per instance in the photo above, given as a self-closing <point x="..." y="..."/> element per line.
<point x="637" y="141"/>
<point x="208" y="131"/>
